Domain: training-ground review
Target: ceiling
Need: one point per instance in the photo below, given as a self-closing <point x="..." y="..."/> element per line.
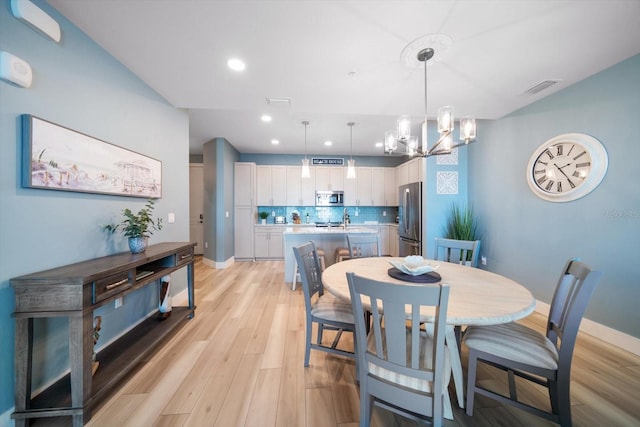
<point x="339" y="61"/>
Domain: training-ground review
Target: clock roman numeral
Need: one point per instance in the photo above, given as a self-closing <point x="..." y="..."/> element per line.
<point x="582" y="165"/>
<point x="542" y="179"/>
<point x="559" y="187"/>
<point x="538" y="171"/>
<point x="570" y="150"/>
<point x="551" y="156"/>
<point x="549" y="185"/>
<point x="559" y="153"/>
<point x="579" y="155"/>
<point x="577" y="175"/>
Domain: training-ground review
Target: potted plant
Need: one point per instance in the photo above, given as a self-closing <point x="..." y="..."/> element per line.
<point x="138" y="227"/>
<point x="462" y="225"/>
<point x="263" y="216"/>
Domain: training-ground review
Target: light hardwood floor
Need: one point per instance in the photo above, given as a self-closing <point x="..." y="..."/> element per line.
<point x="239" y="362"/>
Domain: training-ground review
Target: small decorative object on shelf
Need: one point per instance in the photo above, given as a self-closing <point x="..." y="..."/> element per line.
<point x="165" y="299"/>
<point x="97" y="325"/>
<point x="138" y="227"/>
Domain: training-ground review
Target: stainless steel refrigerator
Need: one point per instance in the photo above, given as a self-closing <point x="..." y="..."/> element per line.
<point x="410" y="219"/>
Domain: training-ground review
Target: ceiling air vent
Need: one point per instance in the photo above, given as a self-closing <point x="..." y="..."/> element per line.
<point x="279" y="102"/>
<point x="541" y="86"/>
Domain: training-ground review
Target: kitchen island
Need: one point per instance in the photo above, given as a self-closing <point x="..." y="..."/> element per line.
<point x="326" y="238"/>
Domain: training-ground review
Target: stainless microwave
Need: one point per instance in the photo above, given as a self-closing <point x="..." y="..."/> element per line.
<point x="329" y="198"/>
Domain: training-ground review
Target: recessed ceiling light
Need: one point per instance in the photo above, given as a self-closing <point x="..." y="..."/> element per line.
<point x="266" y="118"/>
<point x="328" y="143"/>
<point x="275" y="142"/>
<point x="236" y="64"/>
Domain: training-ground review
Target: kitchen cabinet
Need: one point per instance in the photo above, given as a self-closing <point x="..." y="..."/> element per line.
<point x="413" y="170"/>
<point x="244" y="210"/>
<point x="271" y="185"/>
<point x="300" y="191"/>
<point x="330" y="178"/>
<point x="390" y="187"/>
<point x="268" y="242"/>
<point x="393" y="240"/>
<point x="373" y="186"/>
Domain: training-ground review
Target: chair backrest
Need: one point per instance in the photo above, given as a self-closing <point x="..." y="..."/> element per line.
<point x="458" y="251"/>
<point x="363" y="245"/>
<point x="570" y="300"/>
<point x="397" y="346"/>
<point x="310" y="272"/>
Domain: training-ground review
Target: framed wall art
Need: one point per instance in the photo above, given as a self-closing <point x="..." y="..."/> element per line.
<point x="58" y="158"/>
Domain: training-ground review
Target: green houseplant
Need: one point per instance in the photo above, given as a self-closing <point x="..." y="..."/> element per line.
<point x="461" y="224"/>
<point x="263" y="216"/>
<point x="138" y="227"/>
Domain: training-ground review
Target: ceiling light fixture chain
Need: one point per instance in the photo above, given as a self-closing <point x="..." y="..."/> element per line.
<point x="446" y="124"/>
<point x="306" y="171"/>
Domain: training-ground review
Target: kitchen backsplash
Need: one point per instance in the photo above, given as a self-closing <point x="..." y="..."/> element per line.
<point x="357" y="214"/>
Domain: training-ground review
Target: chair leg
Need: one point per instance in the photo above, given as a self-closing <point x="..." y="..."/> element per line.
<point x="471" y="380"/>
<point x="563" y="401"/>
<point x="307" y="350"/>
<point x="366" y="407"/>
<point x="295" y="274"/>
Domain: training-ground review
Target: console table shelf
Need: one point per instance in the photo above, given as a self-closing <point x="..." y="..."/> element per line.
<point x="74" y="291"/>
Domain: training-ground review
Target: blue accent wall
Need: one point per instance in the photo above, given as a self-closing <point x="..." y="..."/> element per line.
<point x="529" y="239"/>
<point x="78" y="85"/>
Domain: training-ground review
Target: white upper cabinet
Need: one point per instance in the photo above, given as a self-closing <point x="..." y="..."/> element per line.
<point x="373" y="186"/>
<point x="271" y="185"/>
<point x="330" y="178"/>
<point x="244" y="178"/>
<point x="300" y="191"/>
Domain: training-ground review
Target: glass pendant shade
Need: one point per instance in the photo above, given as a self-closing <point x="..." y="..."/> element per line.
<point x="390" y="141"/>
<point x="404" y="128"/>
<point x="445" y="119"/>
<point x="467" y="129"/>
<point x="306" y="172"/>
<point x="351" y="169"/>
<point x="412" y="145"/>
<point x="447" y="143"/>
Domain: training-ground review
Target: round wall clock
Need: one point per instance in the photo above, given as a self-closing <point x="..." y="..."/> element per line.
<point x="567" y="167"/>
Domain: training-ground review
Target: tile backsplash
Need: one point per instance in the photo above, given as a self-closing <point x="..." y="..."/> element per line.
<point x="357" y="214"/>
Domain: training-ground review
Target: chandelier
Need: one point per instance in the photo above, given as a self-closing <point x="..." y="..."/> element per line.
<point x="446" y="124"/>
<point x="306" y="172"/>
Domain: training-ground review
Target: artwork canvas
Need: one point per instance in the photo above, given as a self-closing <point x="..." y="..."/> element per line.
<point x="58" y="158"/>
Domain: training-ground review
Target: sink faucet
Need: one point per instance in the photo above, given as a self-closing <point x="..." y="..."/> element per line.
<point x="345" y="218"/>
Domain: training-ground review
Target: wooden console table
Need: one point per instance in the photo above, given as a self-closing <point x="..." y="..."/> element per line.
<point x="74" y="291"/>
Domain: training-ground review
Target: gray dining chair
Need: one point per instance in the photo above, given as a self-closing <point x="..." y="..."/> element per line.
<point x="530" y="355"/>
<point x="321" y="308"/>
<point x="402" y="369"/>
<point x="363" y="245"/>
<point x="465" y="252"/>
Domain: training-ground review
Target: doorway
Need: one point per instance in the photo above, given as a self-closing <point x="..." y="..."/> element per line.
<point x="196" y="206"/>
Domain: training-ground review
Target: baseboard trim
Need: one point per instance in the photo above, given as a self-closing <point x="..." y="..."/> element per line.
<point x="218" y="265"/>
<point x="602" y="332"/>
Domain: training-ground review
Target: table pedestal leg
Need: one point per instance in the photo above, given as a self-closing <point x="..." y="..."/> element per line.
<point x="454" y="356"/>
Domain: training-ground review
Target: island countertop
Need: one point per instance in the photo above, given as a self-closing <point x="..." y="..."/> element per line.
<point x="330" y="230"/>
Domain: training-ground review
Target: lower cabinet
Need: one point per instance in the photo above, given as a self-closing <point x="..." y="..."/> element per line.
<point x="268" y="242"/>
<point x="393" y="240"/>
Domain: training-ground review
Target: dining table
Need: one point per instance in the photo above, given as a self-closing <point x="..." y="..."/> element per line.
<point x="476" y="297"/>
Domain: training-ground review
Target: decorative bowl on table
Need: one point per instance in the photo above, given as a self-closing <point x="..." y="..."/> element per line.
<point x="414" y="265"/>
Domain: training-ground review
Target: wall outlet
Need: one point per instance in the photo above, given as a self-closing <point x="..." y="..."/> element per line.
<point x="171" y="218"/>
<point x="384" y="213"/>
<point x="483" y="260"/>
<point x="119" y="302"/>
<point x="206" y="245"/>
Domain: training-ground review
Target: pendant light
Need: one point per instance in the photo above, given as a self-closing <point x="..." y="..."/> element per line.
<point x="351" y="164"/>
<point x="306" y="172"/>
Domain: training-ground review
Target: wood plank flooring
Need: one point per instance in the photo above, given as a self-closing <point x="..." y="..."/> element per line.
<point x="239" y="362"/>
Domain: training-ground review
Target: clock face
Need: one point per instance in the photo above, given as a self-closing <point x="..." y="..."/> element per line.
<point x="562" y="167"/>
<point x="567" y="167"/>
